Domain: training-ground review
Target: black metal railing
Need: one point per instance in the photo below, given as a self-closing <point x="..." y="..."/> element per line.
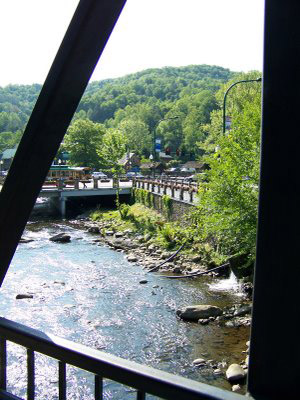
<point x="143" y="379"/>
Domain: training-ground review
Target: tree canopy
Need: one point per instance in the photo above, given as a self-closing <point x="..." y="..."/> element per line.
<point x="81" y="141"/>
<point x="227" y="212"/>
<point x="135" y="104"/>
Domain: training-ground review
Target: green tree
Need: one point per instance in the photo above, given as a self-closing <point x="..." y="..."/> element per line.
<point x="110" y="151"/>
<point x="137" y="135"/>
<point x="82" y="139"/>
<point x="227" y="212"/>
<point x="9" y="140"/>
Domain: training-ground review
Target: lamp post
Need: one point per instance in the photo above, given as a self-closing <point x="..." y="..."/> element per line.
<point x="225" y="96"/>
<point x="154" y="139"/>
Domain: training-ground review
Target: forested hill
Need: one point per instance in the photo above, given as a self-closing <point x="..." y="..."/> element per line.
<point x="103" y="98"/>
<point x="146" y="96"/>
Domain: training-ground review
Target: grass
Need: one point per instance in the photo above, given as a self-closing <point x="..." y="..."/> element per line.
<point x="168" y="235"/>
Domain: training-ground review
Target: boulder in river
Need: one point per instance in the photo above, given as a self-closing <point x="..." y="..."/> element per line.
<point x="196" y="259"/>
<point x="235" y="373"/>
<point x="119" y="234"/>
<point x="24" y="296"/>
<point x="243" y="310"/>
<point x="199" y="362"/>
<point x="25" y="240"/>
<point x="61" y="238"/>
<point x="194" y="313"/>
<point x="132" y="258"/>
<point x="94" y="229"/>
<point x="237" y="388"/>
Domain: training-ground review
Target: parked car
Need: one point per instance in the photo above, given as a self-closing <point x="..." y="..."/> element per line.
<point x="191" y="178"/>
<point x="99" y="175"/>
<point x="134" y="175"/>
<point x="173" y="169"/>
<point x="191" y="170"/>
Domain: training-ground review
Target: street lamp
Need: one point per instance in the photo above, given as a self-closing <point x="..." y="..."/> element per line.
<point x="154" y="138"/>
<point x="225" y="96"/>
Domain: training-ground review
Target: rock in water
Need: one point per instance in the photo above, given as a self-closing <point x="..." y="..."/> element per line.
<point x="194" y="313"/>
<point x="235" y="373"/>
<point x="25" y="240"/>
<point x="94" y="229"/>
<point x="61" y="238"/>
<point x="24" y="296"/>
<point x="132" y="258"/>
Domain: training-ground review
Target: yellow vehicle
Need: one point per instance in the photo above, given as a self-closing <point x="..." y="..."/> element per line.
<point x="67" y="174"/>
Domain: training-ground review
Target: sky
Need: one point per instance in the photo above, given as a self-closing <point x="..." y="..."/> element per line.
<point x="148" y="34"/>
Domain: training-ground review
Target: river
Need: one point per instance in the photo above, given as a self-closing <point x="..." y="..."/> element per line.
<point x="90" y="294"/>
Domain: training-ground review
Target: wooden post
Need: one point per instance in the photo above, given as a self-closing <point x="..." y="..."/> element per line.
<point x="181" y="195"/>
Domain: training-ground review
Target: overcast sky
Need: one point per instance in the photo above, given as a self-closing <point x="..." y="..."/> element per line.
<point x="149" y="33"/>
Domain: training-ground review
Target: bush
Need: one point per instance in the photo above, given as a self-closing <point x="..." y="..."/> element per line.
<point x="124" y="210"/>
<point x="167" y="205"/>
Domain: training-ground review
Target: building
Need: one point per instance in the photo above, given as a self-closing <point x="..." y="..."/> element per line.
<point x="195" y="166"/>
<point x="148" y="168"/>
<point x="7" y="158"/>
<point x="130" y="162"/>
<point x="164" y="157"/>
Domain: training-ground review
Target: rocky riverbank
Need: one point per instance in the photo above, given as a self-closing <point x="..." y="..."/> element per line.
<point x="141" y="249"/>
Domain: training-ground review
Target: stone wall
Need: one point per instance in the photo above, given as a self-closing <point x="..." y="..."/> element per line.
<point x="177" y="210"/>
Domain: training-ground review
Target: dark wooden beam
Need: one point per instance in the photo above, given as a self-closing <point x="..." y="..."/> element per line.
<point x="68" y="77"/>
<point x="275" y="345"/>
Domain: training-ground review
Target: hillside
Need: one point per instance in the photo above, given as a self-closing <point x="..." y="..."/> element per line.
<point x="143" y="98"/>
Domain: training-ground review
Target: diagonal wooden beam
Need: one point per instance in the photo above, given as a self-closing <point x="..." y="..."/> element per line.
<point x="68" y="77"/>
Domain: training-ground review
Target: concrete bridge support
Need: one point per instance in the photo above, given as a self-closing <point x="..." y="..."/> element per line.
<point x="59" y="204"/>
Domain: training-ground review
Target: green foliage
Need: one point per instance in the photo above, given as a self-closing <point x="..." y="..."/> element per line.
<point x="227" y="214"/>
<point x="135" y="105"/>
<point x="167" y="205"/>
<point x="173" y="164"/>
<point x="137" y="134"/>
<point x="124" y="210"/>
<point x="9" y="140"/>
<point x="110" y="151"/>
<point x="81" y="142"/>
<point x="144" y="197"/>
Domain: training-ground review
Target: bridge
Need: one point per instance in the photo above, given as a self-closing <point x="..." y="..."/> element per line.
<point x="178" y="189"/>
<point x="59" y="195"/>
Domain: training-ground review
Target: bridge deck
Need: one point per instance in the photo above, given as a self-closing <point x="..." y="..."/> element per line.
<point x="104" y="189"/>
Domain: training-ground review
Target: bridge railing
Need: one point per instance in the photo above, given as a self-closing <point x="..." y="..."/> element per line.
<point x="185" y="190"/>
<point x="144" y="379"/>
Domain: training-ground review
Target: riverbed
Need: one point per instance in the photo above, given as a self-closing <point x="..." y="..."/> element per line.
<point x="91" y="294"/>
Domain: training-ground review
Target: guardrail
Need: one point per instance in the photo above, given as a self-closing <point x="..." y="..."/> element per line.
<point x="142" y="378"/>
<point x="169" y="186"/>
<point x="61" y="184"/>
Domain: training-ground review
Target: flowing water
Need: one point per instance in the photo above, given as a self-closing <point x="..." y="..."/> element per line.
<point x="90" y="294"/>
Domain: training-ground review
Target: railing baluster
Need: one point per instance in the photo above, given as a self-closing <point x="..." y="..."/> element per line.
<point x="62" y="385"/>
<point x="98" y="387"/>
<point x="30" y="374"/>
<point x="162" y="384"/>
<point x="140" y="395"/>
<point x="3" y="361"/>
